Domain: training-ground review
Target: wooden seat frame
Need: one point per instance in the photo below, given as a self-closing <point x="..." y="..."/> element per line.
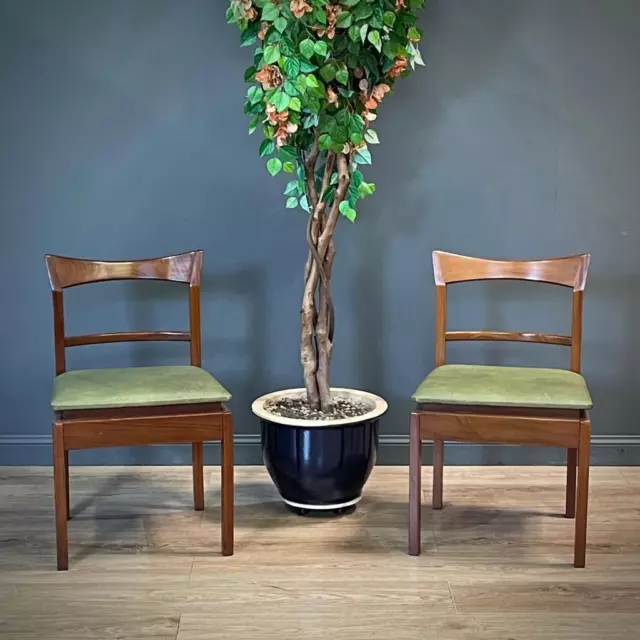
<point x="133" y="426"/>
<point x="569" y="428"/>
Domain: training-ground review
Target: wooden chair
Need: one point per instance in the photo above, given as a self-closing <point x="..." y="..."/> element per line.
<point x="506" y="405"/>
<point x="136" y="405"/>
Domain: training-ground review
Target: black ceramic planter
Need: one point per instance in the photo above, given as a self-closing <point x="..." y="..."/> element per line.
<point x="320" y="466"/>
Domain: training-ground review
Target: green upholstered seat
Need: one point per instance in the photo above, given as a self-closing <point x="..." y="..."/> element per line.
<point x="504" y="387"/>
<point x="135" y="387"/>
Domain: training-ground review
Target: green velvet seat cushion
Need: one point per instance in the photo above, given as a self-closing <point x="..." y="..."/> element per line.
<point x="135" y="387"/>
<point x="504" y="387"/>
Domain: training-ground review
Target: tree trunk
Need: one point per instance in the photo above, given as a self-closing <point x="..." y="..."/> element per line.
<point x="317" y="316"/>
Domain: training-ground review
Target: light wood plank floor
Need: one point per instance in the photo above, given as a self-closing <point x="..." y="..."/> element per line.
<point x="496" y="562"/>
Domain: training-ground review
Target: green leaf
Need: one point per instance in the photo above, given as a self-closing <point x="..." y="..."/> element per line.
<point x="329" y="194"/>
<point x="345" y="18"/>
<point x="342" y="76"/>
<point x="328" y="72"/>
<point x="414" y="34"/>
<point x="295" y="104"/>
<point x="291" y="188"/>
<point x="366" y="189"/>
<point x="254" y="94"/>
<point x="292" y="67"/>
<point x="363" y="11"/>
<point x="356" y="124"/>
<point x="371" y="137"/>
<point x="307" y="48"/>
<point x="274" y="166"/>
<point x="312" y="120"/>
<point x="363" y="32"/>
<point x="320" y="48"/>
<point x="343" y="118"/>
<point x="319" y="15"/>
<point x="281" y="100"/>
<point x="356" y="138"/>
<point x="287" y="47"/>
<point x="312" y="82"/>
<point x="253" y="125"/>
<point x="288" y="167"/>
<point x="375" y="40"/>
<point x="292" y="203"/>
<point x="363" y="156"/>
<point x="288" y="153"/>
<point x="250" y="74"/>
<point x="270" y="12"/>
<point x="271" y="53"/>
<point x="389" y="18"/>
<point x="247" y="38"/>
<point x="280" y="24"/>
<point x="324" y="141"/>
<point x="267" y="148"/>
<point x="290" y="88"/>
<point x="347" y="211"/>
<point x="304" y="203"/>
<point x="307" y="67"/>
<point x="354" y="33"/>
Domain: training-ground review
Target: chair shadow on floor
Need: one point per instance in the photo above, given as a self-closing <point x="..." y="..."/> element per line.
<point x="127" y="512"/>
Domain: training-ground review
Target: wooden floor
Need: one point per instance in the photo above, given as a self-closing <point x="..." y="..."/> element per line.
<point x="496" y="563"/>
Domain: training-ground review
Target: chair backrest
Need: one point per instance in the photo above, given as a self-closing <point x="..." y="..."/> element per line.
<point x="570" y="272"/>
<point x="71" y="272"/>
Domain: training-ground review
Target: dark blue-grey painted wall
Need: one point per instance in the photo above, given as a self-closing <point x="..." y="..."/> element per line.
<point x="122" y="135"/>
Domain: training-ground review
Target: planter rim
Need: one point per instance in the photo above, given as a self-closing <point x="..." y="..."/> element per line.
<point x="379" y="407"/>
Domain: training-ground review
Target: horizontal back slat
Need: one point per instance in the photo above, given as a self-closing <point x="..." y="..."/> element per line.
<point x="507" y="336"/>
<point x="569" y="272"/>
<point x="127" y="336"/>
<point x="69" y="272"/>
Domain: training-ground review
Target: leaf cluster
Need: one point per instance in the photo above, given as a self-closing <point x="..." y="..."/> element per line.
<point x="321" y="69"/>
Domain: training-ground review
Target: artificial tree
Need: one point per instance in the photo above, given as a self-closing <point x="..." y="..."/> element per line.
<point x="321" y="68"/>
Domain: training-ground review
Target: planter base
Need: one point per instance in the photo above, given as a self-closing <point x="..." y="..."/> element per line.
<point x="323" y="507"/>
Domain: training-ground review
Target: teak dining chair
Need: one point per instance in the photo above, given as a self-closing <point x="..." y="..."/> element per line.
<point x="505" y="405"/>
<point x="136" y="405"/>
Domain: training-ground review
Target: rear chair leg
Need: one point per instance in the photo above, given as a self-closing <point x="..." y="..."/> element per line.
<point x="415" y="485"/>
<point x="197" y="450"/>
<point x="60" y="496"/>
<point x="438" y="470"/>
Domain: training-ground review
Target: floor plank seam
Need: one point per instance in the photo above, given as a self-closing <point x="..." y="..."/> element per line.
<point x="178" y="629"/>
<point x="453" y="600"/>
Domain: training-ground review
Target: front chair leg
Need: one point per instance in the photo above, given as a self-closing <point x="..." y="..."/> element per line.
<point x="438" y="471"/>
<point x="584" y="455"/>
<point x="227" y="486"/>
<point x="60" y="496"/>
<point x="415" y="485"/>
<point x="572" y="464"/>
<point x="197" y="451"/>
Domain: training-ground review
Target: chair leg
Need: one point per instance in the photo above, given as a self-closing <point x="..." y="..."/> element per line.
<point x="60" y="496"/>
<point x="438" y="469"/>
<point x="227" y="486"/>
<point x="66" y="469"/>
<point x="572" y="464"/>
<point x="197" y="450"/>
<point x="584" y="454"/>
<point x="415" y="485"/>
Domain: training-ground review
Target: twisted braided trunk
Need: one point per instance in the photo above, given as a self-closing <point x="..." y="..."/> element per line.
<point x="317" y="314"/>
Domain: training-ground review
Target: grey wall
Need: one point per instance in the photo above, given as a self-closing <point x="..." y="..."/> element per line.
<point x="122" y="135"/>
